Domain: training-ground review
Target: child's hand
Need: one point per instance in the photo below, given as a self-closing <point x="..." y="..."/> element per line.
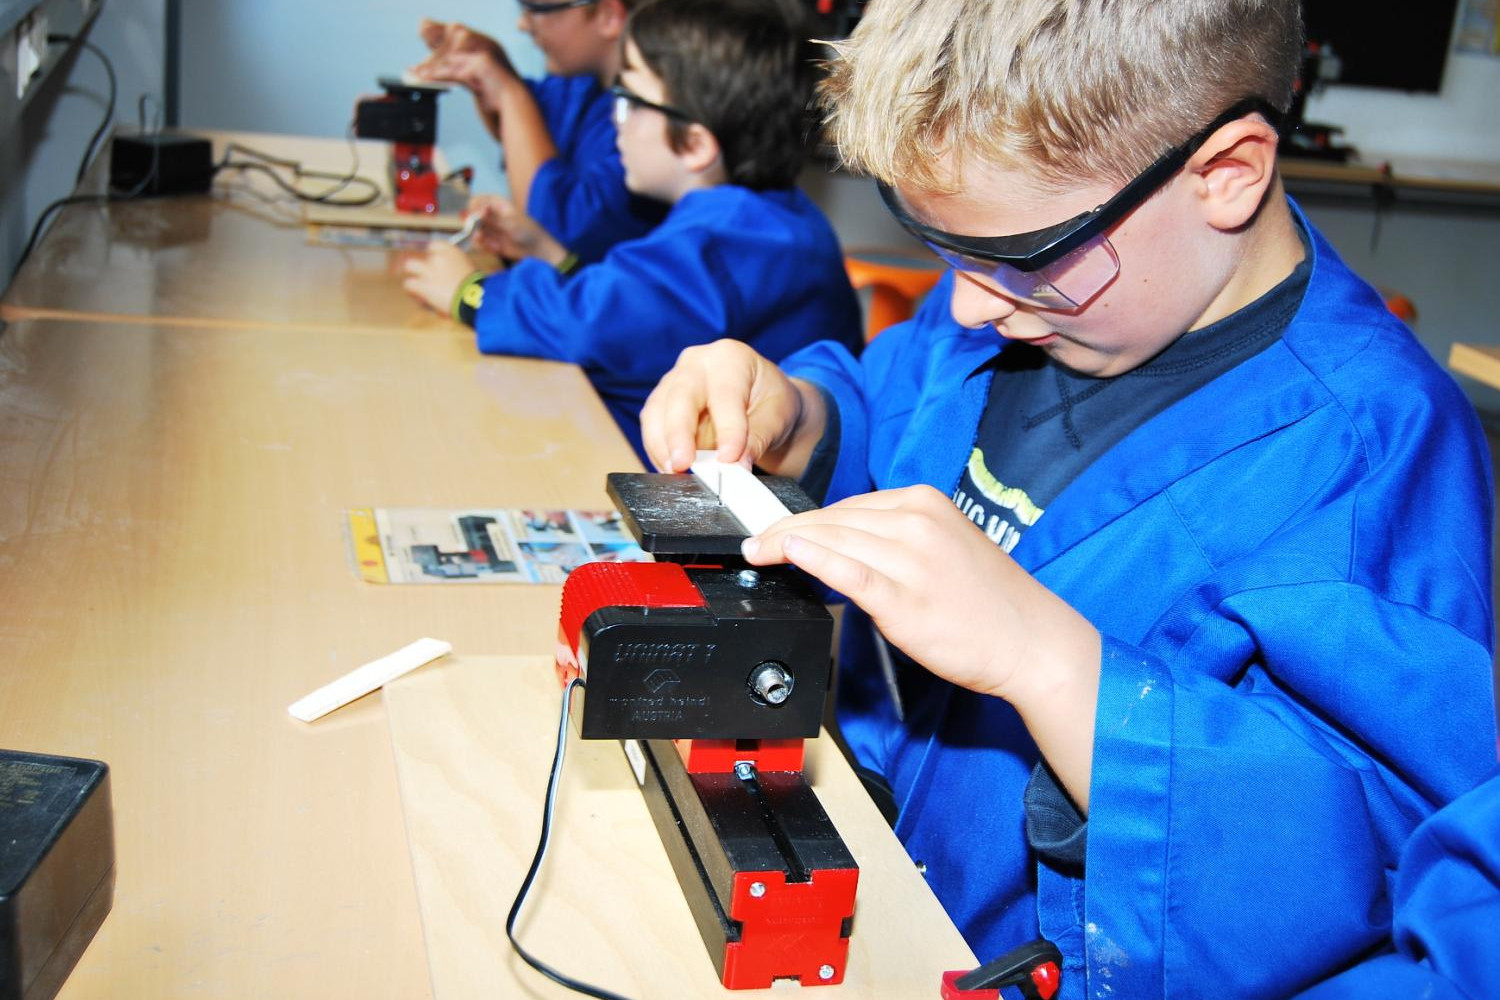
<point x="950" y="598"/>
<point x="506" y="231"/>
<point x="434" y="277"/>
<point x="470" y="59"/>
<point x="726" y="396"/>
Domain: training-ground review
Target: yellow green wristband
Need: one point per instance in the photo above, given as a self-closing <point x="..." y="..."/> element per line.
<point x="467" y="298"/>
<point x="568" y="264"/>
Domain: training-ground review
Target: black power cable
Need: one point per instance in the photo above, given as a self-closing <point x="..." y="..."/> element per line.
<point x="541" y="852"/>
<point x="88" y="155"/>
<point x="109" y="110"/>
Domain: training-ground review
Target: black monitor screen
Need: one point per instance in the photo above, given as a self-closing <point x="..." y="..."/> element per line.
<point x="1385" y="43"/>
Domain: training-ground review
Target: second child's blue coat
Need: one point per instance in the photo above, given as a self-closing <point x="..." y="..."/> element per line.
<point x="579" y="195"/>
<point x="763" y="267"/>
<point x="1290" y="568"/>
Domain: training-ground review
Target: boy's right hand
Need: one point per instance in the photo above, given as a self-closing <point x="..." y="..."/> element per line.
<point x="726" y="396"/>
<point x="506" y="231"/>
<point x="470" y="59"/>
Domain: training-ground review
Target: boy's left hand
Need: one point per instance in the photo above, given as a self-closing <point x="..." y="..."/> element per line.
<point x="434" y="277"/>
<point x="940" y="590"/>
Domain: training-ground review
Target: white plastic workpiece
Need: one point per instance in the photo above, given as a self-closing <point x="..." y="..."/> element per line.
<point x="361" y="681"/>
<point x="747" y="498"/>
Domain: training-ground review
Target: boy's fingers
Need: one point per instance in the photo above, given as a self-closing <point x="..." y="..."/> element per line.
<point x="879" y="542"/>
<point x="727" y="410"/>
<point x="841" y="571"/>
<point x="681" y="414"/>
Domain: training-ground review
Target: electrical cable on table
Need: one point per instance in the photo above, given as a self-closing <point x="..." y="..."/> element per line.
<point x="88" y="155"/>
<point x="541" y="853"/>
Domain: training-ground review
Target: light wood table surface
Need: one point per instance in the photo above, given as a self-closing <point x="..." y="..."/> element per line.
<point x="236" y="257"/>
<point x="474" y="737"/>
<point x="175" y="575"/>
<point x="1477" y="361"/>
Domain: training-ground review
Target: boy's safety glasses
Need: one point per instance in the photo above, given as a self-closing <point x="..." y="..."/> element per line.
<point x="534" y="7"/>
<point x="626" y="99"/>
<point x="1064" y="266"/>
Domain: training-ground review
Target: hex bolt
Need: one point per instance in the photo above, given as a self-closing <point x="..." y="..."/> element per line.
<point x="758" y="889"/>
<point x="770" y="682"/>
<point x="748" y="578"/>
<point x="744" y="770"/>
<point x="825" y="972"/>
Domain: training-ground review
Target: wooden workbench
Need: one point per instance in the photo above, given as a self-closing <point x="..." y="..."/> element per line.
<point x="191" y="395"/>
<point x="237" y="257"/>
<point x="175" y="575"/>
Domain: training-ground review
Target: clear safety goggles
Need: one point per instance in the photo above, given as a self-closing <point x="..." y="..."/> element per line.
<point x="1065" y="266"/>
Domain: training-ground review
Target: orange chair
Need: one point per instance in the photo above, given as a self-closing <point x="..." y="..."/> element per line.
<point x="1401" y="306"/>
<point x="896" y="281"/>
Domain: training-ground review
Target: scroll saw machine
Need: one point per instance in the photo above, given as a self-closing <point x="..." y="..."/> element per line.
<point x="713" y="674"/>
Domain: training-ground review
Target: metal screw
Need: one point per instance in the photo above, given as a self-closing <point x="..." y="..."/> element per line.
<point x="758" y="889"/>
<point x="825" y="972"/>
<point x="748" y="578"/>
<point x="745" y="771"/>
<point x="771" y="682"/>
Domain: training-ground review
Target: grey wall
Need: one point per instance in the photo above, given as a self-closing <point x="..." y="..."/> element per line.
<point x="299" y="65"/>
<point x="39" y="159"/>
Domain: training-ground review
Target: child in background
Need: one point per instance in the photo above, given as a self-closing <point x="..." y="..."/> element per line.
<point x="710" y="110"/>
<point x="1185" y="538"/>
<point x="556" y="133"/>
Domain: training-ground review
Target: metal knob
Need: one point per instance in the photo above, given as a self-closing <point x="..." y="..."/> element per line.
<point x="771" y="683"/>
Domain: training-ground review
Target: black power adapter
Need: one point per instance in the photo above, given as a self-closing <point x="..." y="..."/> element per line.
<point x="160" y="163"/>
<point x="57" y="868"/>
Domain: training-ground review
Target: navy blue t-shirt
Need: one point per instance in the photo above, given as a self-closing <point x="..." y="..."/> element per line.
<point x="1044" y="424"/>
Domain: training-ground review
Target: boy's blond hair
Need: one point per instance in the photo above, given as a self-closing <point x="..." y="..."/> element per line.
<point x="1066" y="90"/>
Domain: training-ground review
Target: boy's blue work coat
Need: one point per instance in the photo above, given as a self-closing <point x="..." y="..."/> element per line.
<point x="1447" y="896"/>
<point x="759" y="266"/>
<point x="1290" y="568"/>
<point x="579" y="196"/>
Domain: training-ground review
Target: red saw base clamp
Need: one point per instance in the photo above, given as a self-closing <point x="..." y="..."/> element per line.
<point x="1035" y="969"/>
<point x="712" y="674"/>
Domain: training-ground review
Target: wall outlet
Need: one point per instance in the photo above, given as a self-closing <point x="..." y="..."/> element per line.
<point x="31" y="49"/>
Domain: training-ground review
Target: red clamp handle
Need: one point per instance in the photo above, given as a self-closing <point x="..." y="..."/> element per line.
<point x="1034" y="968"/>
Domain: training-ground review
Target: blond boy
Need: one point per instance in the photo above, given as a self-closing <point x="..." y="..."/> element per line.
<point x="1182" y="538"/>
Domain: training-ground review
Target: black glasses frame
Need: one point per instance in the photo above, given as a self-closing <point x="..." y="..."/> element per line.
<point x="534" y="7"/>
<point x="623" y="92"/>
<point x="1035" y="250"/>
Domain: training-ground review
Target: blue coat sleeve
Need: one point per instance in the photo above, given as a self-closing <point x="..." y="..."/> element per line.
<point x="877" y="394"/>
<point x="579" y="196"/>
<point x="1447" y="911"/>
<point x="1264" y="750"/>
<point x="591" y="317"/>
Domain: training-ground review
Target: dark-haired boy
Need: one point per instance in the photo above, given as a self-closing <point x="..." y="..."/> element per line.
<point x="1190" y="535"/>
<point x="710" y="115"/>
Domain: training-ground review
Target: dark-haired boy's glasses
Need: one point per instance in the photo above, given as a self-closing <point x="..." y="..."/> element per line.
<point x="625" y="99"/>
<point x="533" y="7"/>
<point x="1066" y="265"/>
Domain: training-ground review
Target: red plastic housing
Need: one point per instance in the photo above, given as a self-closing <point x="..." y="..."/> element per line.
<point x="607" y="585"/>
<point x="416" y="182"/>
<point x="714" y="756"/>
<point x="789" y="929"/>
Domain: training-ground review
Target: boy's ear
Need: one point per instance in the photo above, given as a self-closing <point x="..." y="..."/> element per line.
<point x="1233" y="171"/>
<point x="699" y="150"/>
<point x="609" y="18"/>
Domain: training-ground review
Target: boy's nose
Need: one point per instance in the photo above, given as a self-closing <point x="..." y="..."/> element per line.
<point x="976" y="303"/>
